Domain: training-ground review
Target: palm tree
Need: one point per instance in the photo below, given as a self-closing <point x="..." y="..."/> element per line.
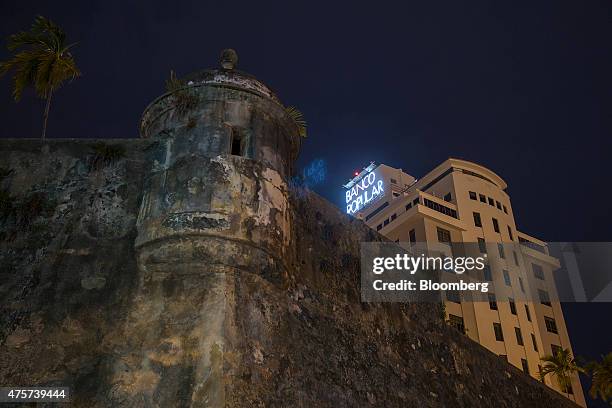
<point x="44" y="61"/>
<point x="601" y="377"/>
<point x="560" y="365"/>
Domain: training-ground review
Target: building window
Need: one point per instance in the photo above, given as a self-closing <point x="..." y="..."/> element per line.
<point x="498" y="205"/>
<point x="495" y="225"/>
<point x="544" y="298"/>
<point x="456" y="322"/>
<point x="491" y="202"/>
<point x="505" y="209"/>
<point x="507" y="280"/>
<point x="440" y="208"/>
<point x="500" y="248"/>
<point x="551" y="325"/>
<point x="396" y="194"/>
<point x="510" y="234"/>
<point x="412" y="236"/>
<point x="499" y="333"/>
<point x="516" y="261"/>
<point x="492" y="301"/>
<point x="482" y="246"/>
<point x="538" y="272"/>
<point x="535" y="343"/>
<point x="443" y="235"/>
<point x="237" y="143"/>
<point x="453" y="296"/>
<point x="393" y="181"/>
<point x="487" y="273"/>
<point x="472" y="195"/>
<point x="555" y="349"/>
<point x="527" y="313"/>
<point x="376" y="211"/>
<point x="521" y="284"/>
<point x="477" y="220"/>
<point x="519" y="336"/>
<point x="408" y="206"/>
<point x="525" y="365"/>
<point x="415" y="201"/>
<point x="378" y="227"/>
<point x="448" y="197"/>
<point x="393" y="217"/>
<point x="386" y="222"/>
<point x="512" y="306"/>
<point x="483" y="199"/>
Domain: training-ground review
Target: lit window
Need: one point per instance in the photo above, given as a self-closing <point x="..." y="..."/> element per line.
<point x="495" y="225"/>
<point x="538" y="272"/>
<point x="482" y="246"/>
<point x="443" y="235"/>
<point x="492" y="301"/>
<point x="487" y="273"/>
<point x="551" y="325"/>
<point x="502" y="253"/>
<point x="499" y="333"/>
<point x="525" y="365"/>
<point x="516" y="261"/>
<point x="477" y="220"/>
<point x="512" y="306"/>
<point x="519" y="336"/>
<point x="527" y="313"/>
<point x="544" y="298"/>
<point x="507" y="280"/>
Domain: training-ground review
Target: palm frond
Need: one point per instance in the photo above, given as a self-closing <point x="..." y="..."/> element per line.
<point x="173" y="83"/>
<point x="298" y="119"/>
<point x="601" y="378"/>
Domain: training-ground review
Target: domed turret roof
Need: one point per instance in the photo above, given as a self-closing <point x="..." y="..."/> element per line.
<point x="227" y="75"/>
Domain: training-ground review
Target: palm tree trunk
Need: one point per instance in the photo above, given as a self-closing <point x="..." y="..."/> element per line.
<point x="46" y="116"/>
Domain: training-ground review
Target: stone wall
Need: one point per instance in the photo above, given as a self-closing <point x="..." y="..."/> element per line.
<point x="79" y="309"/>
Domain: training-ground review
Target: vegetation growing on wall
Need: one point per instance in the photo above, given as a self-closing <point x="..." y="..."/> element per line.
<point x="184" y="99"/>
<point x="298" y="119"/>
<point x="105" y="154"/>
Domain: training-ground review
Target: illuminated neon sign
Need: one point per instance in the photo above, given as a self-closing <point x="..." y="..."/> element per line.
<point x="363" y="192"/>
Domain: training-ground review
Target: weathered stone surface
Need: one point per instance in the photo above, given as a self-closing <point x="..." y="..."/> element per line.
<point x="77" y="311"/>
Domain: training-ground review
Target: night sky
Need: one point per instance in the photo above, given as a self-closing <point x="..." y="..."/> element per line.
<point x="523" y="88"/>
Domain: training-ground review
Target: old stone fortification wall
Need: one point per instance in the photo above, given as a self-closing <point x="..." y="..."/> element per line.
<point x="80" y="307"/>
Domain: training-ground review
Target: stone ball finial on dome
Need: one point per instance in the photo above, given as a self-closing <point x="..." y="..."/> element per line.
<point x="229" y="59"/>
